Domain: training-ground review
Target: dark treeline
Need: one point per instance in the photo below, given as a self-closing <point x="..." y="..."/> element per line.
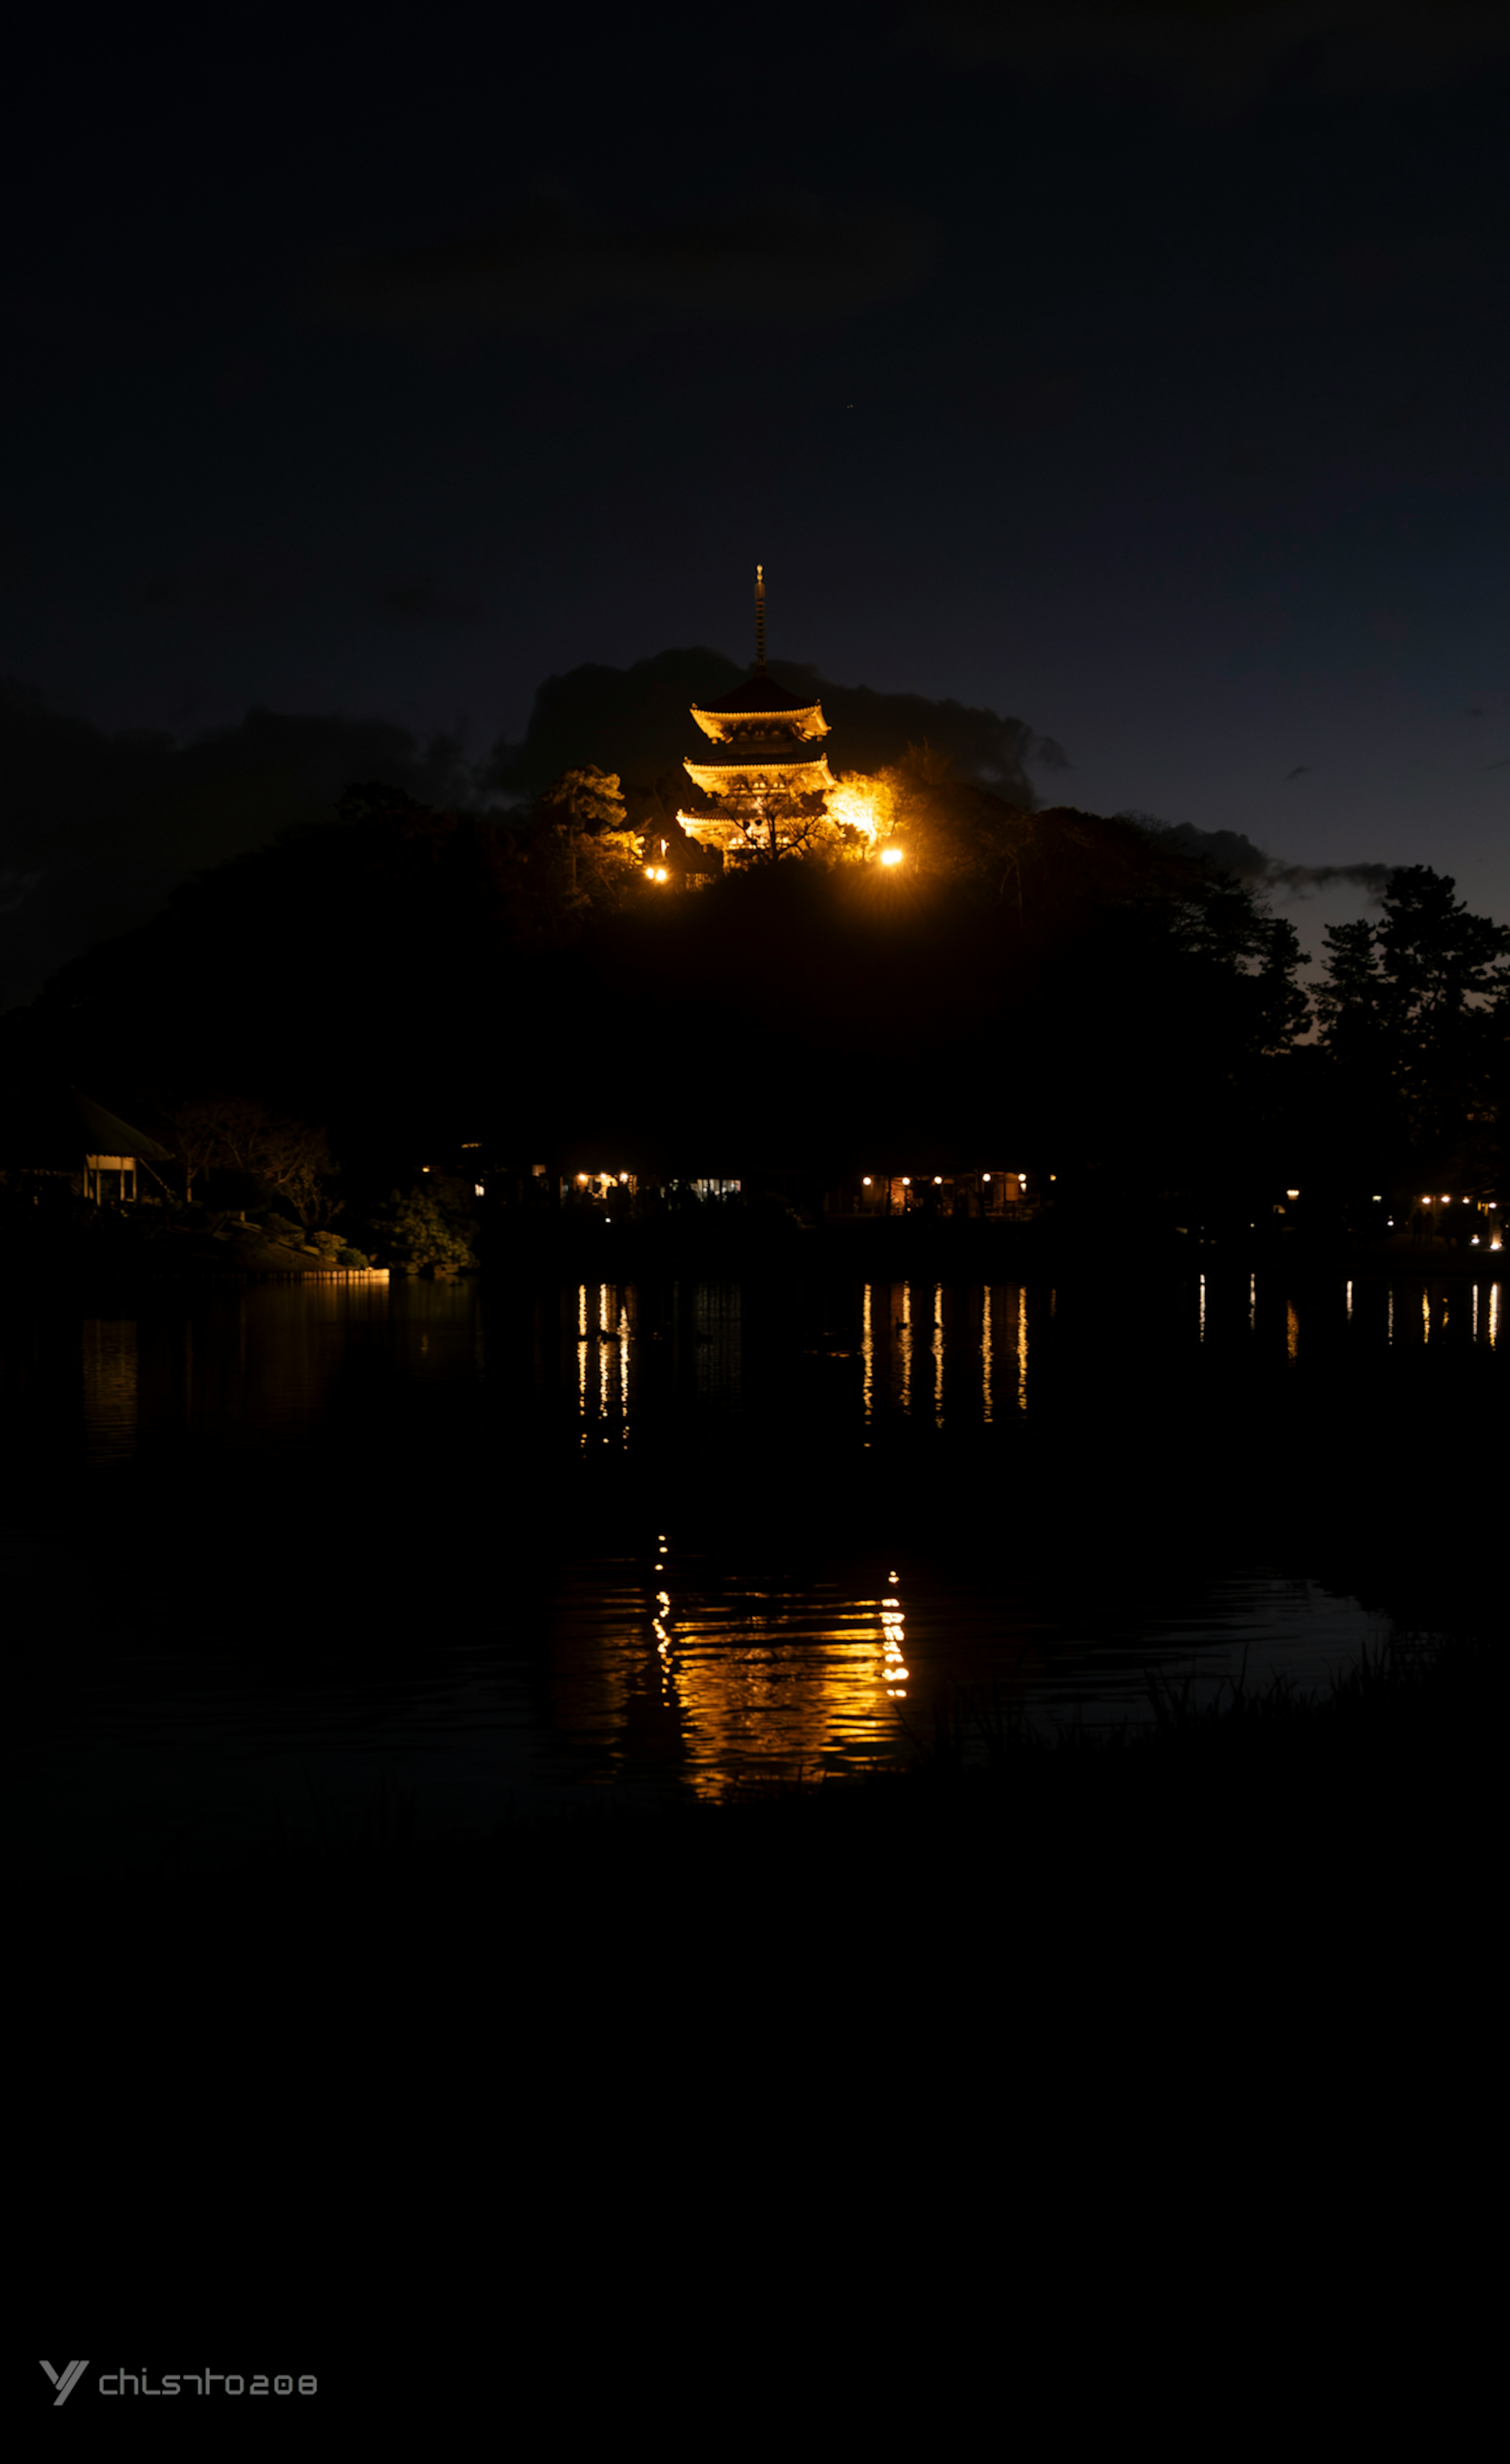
<point x="1028" y="987"/>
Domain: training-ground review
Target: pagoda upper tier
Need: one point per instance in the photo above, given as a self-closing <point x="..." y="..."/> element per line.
<point x="768" y="785"/>
<point x="762" y="707"/>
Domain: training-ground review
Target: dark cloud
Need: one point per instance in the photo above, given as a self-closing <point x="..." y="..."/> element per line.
<point x="635" y="720"/>
<point x="1216" y="57"/>
<point x="553" y="265"/>
<point x="96" y="829"/>
<point x="1225" y="850"/>
<point x="1231" y="851"/>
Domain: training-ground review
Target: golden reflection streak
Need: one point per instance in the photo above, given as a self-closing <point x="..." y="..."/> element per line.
<point x="108" y="1352"/>
<point x="893" y="1663"/>
<point x="1203" y="1310"/>
<point x="867" y="1355"/>
<point x="624" y="1365"/>
<point x="1022" y="1347"/>
<point x="1253" y="1302"/>
<point x="581" y="1357"/>
<point x="1494" y="1312"/>
<point x="938" y="1356"/>
<point x="905" y="1325"/>
<point x="1426" y="1317"/>
<point x="1292" y="1330"/>
<point x="985" y="1351"/>
<point x="1389" y="1322"/>
<point x="745" y="1694"/>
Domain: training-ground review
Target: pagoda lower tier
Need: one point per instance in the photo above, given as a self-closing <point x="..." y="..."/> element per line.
<point x="763" y="804"/>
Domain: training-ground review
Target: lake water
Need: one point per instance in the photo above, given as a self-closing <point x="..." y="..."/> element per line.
<point x="269" y="1550"/>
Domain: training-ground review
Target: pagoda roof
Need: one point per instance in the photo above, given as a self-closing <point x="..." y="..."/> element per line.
<point x="718" y="778"/>
<point x="759" y="692"/>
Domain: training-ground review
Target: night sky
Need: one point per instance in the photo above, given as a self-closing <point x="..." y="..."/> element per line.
<point x="1136" y="372"/>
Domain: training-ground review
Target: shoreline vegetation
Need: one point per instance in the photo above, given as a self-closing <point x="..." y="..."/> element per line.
<point x="146" y="1247"/>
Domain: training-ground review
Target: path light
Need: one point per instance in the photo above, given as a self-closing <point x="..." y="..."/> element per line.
<point x="907" y="1180"/>
<point x="939" y="1180"/>
<point x="1292" y="1193"/>
<point x="624" y="1176"/>
<point x="867" y="1180"/>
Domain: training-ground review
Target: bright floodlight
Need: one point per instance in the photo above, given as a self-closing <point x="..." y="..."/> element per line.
<point x="890" y="855"/>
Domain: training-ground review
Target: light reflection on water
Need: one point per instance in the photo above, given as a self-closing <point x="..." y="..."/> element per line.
<point x="676" y="1666"/>
<point x="759" y="1679"/>
<point x="947" y="1353"/>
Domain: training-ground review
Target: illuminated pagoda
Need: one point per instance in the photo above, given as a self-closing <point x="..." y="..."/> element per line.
<point x="768" y="787"/>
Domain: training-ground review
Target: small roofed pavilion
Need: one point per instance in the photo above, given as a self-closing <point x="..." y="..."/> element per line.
<point x="767" y="775"/>
<point x="52" y="1131"/>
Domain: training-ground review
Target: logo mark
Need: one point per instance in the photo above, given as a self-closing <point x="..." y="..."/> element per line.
<point x="65" y="2380"/>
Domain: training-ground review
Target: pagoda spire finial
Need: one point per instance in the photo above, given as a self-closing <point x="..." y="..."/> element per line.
<point x="760" y="618"/>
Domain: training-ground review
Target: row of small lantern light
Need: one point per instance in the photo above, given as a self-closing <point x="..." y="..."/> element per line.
<point x="986" y="1179"/>
<point x="1491" y="1206"/>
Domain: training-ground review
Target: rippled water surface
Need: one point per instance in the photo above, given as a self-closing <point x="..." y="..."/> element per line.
<point x="270" y="1550"/>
